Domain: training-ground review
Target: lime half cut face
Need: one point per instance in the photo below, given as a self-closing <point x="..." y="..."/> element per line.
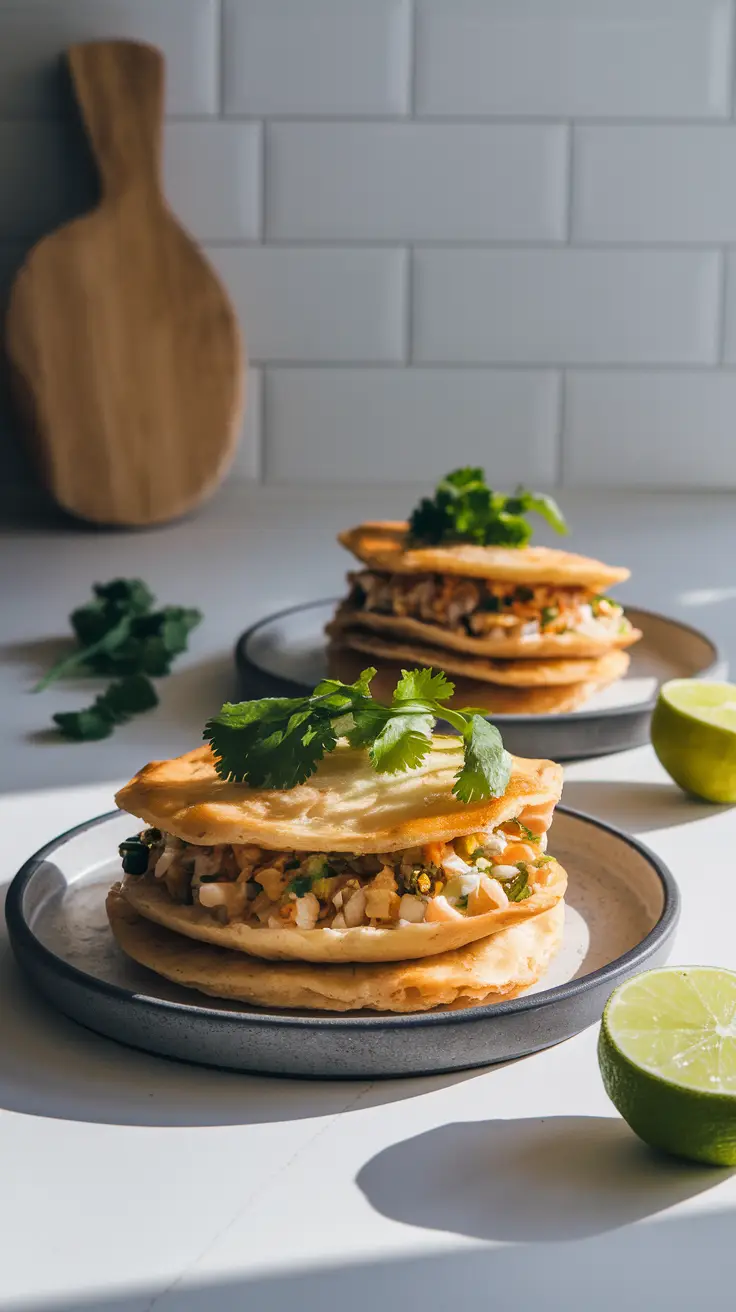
<point x="711" y="703"/>
<point x="667" y="1054"/>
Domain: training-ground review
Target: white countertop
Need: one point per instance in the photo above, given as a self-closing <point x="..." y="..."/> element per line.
<point x="130" y="1183"/>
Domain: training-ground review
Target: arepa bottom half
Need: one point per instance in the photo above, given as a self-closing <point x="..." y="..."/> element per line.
<point x="488" y="970"/>
<point x="346" y="663"/>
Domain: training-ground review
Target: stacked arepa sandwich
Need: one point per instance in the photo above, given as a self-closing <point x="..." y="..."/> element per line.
<point x="524" y="629"/>
<point x="333" y="853"/>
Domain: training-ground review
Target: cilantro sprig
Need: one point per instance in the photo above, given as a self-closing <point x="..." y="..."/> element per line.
<point x="278" y="742"/>
<point x="465" y="509"/>
<point x="119" y="703"/>
<point x="120" y="634"/>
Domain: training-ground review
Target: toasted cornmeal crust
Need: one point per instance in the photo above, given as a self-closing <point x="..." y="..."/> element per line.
<point x="510" y="673"/>
<point x="344" y="807"/>
<point x="532" y="647"/>
<point x="403" y="942"/>
<point x="486" y="971"/>
<point x="382" y="545"/>
<point x="342" y="663"/>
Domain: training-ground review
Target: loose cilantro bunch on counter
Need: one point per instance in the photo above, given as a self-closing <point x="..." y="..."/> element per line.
<point x="465" y="509"/>
<point x="278" y="742"/>
<point x="120" y="634"/>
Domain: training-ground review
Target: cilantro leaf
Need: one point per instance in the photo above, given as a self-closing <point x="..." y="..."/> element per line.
<point x="465" y="509"/>
<point x="403" y="743"/>
<point x="418" y="685"/>
<point x="278" y="742"/>
<point x="122" y="700"/>
<point x="523" y="502"/>
<point x="486" y="767"/>
<point x="361" y="686"/>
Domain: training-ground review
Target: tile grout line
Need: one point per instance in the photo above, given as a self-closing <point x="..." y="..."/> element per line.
<point x="675" y="367"/>
<point x="561" y="420"/>
<point x="713" y="122"/>
<point x="412" y="70"/>
<point x="723" y="309"/>
<point x="263" y="445"/>
<point x="732" y="57"/>
<point x="456" y="245"/>
<point x="221" y="61"/>
<point x="570" y="181"/>
<point x="264" y="146"/>
<point x="409" y="277"/>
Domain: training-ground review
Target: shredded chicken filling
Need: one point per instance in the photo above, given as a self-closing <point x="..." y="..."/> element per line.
<point x="439" y="881"/>
<point x="480" y="606"/>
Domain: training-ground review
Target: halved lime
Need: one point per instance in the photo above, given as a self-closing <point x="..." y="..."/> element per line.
<point x="667" y="1054"/>
<point x="694" y="735"/>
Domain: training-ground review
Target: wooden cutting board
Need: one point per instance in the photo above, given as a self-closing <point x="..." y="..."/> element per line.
<point x="123" y="345"/>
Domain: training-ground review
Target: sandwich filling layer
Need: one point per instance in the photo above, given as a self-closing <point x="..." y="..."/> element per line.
<point x="479" y="607"/>
<point x="440" y="881"/>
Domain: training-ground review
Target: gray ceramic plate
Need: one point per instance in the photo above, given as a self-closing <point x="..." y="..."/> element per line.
<point x="284" y="654"/>
<point x="622" y="909"/>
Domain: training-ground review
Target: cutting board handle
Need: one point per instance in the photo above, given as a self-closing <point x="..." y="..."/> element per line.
<point x="119" y="86"/>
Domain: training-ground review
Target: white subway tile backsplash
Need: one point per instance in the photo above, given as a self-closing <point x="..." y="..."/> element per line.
<point x="659" y="184"/>
<point x="425" y="211"/>
<point x="566" y="306"/>
<point x="212" y="178"/>
<point x="621" y="58"/>
<point x="317" y="56"/>
<point x="650" y="429"/>
<point x="414" y="182"/>
<point x="315" y="305"/>
<point x="34" y="33"/>
<point x="367" y="425"/>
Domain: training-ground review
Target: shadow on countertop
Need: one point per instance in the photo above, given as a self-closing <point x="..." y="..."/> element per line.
<point x="528" y="1180"/>
<point x="637" y="807"/>
<point x="43" y="759"/>
<point x="665" y="1265"/>
<point x="51" y="1066"/>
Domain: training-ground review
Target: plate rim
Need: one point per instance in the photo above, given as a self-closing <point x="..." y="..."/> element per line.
<point x="20" y="933"/>
<point x="558" y="717"/>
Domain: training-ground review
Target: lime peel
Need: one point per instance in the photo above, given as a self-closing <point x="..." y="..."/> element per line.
<point x="694" y="736"/>
<point x="667" y="1055"/>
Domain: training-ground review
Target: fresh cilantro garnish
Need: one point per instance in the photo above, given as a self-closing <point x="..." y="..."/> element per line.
<point x="122" y="700"/>
<point x="548" y="616"/>
<point x="465" y="509"/>
<point x="118" y="632"/>
<point x="527" y="834"/>
<point x="278" y="742"/>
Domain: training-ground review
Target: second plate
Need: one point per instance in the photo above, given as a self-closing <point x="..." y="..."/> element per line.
<point x="284" y="655"/>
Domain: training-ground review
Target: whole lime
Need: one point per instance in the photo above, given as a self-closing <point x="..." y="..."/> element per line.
<point x="667" y="1054"/>
<point x="694" y="735"/>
